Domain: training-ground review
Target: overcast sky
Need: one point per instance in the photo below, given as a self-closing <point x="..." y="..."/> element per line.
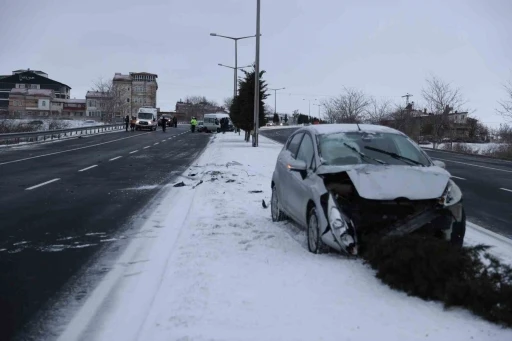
<point x="313" y="48"/>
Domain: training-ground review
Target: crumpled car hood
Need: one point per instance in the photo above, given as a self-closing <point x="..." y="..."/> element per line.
<point x="388" y="182"/>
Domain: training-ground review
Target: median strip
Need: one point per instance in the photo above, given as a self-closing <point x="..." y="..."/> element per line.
<point x="83" y="170"/>
<point x="135" y="151"/>
<point x="44" y="183"/>
<point x="506" y="189"/>
<point x="115" y="158"/>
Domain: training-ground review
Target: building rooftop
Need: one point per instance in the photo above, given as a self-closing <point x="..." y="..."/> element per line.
<point x="121" y="77"/>
<point x="96" y="94"/>
<point x="144" y="73"/>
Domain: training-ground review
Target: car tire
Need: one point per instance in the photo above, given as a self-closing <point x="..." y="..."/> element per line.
<point x="459" y="231"/>
<point x="315" y="244"/>
<point x="275" y="212"/>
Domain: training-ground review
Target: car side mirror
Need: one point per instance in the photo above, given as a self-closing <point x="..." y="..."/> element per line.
<point x="439" y="163"/>
<point x="299" y="166"/>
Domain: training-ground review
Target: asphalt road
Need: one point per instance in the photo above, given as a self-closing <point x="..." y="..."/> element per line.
<point x="486" y="184"/>
<point x="63" y="202"/>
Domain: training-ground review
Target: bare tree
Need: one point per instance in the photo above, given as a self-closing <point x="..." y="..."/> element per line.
<point x="505" y="108"/>
<point x="405" y="119"/>
<point x="227" y="102"/>
<point x="378" y="111"/>
<point x="441" y="98"/>
<point x="269" y="109"/>
<point x="113" y="100"/>
<point x="200" y="100"/>
<point x="348" y="107"/>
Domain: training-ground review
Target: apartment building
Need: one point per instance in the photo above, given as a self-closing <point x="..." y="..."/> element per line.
<point x="135" y="90"/>
<point x="30" y="80"/>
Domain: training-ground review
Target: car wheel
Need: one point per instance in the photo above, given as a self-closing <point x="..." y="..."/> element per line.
<point x="277" y="214"/>
<point x="459" y="231"/>
<point x="315" y="244"/>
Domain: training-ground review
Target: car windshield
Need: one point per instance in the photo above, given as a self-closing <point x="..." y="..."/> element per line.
<point x="373" y="148"/>
<point x="145" y="115"/>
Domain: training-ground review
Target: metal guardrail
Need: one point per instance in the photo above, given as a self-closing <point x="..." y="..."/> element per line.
<point x="49" y="135"/>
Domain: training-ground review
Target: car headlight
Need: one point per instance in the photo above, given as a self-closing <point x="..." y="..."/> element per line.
<point x="452" y="200"/>
<point x="452" y="194"/>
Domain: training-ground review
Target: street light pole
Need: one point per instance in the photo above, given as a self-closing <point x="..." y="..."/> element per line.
<point x="275" y="98"/>
<point x="257" y="77"/>
<point x="235" y="69"/>
<point x="236" y="39"/>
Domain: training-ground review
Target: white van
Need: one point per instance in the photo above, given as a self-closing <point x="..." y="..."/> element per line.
<point x="210" y="125"/>
<point x="146" y="118"/>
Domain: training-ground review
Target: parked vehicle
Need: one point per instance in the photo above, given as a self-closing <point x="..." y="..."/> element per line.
<point x="200" y="127"/>
<point x="167" y="117"/>
<point x="146" y="119"/>
<point x="212" y="121"/>
<point x="344" y="182"/>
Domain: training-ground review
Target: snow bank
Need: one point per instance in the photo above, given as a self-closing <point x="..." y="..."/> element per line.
<point x="217" y="268"/>
<point x="476" y="148"/>
<point x="46" y="123"/>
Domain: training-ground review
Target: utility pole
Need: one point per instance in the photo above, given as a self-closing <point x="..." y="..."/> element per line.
<point x="257" y="77"/>
<point x="407" y="95"/>
<point x="275" y="98"/>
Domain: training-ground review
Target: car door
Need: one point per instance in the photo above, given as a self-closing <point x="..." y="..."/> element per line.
<point x="284" y="175"/>
<point x="300" y="188"/>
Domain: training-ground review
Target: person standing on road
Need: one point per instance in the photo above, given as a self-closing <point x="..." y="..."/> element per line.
<point x="127" y="121"/>
<point x="193" y="123"/>
<point x="164" y="123"/>
<point x="175" y="122"/>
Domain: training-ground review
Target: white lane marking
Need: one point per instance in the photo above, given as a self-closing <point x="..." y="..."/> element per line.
<point x="135" y="151"/>
<point x="164" y="140"/>
<point x="70" y="150"/>
<point x="44" y="183"/>
<point x="506" y="189"/>
<point x="146" y="147"/>
<point x="456" y="177"/>
<point x="470" y="164"/>
<point x="115" y="158"/>
<point x="156" y="143"/>
<point x="83" y="170"/>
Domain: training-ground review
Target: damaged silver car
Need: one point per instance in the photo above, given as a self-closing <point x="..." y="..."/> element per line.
<point x="346" y="182"/>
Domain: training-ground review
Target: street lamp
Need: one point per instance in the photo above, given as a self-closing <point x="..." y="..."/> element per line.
<point x="257" y="77"/>
<point x="318" y="105"/>
<point x="235" y="69"/>
<point x="275" y="98"/>
<point x="236" y="39"/>
<point x="309" y="113"/>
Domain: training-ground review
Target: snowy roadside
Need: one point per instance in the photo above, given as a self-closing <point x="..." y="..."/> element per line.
<point x="217" y="268"/>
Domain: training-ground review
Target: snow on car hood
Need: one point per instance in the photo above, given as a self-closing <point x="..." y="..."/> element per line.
<point x="388" y="182"/>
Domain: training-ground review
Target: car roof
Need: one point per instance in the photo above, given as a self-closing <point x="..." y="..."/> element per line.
<point x="319" y="129"/>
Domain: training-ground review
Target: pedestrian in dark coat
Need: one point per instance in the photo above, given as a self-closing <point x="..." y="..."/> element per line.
<point x="127" y="121"/>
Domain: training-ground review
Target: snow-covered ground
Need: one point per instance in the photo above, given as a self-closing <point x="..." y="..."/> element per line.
<point x="281" y="127"/>
<point x="46" y="123"/>
<point x="477" y="148"/>
<point x="215" y="267"/>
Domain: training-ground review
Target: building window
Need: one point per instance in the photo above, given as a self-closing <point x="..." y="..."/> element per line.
<point x="127" y="100"/>
<point x="44" y="103"/>
<point x="34" y="86"/>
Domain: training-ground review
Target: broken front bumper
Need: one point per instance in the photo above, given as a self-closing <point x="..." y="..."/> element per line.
<point x="341" y="233"/>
